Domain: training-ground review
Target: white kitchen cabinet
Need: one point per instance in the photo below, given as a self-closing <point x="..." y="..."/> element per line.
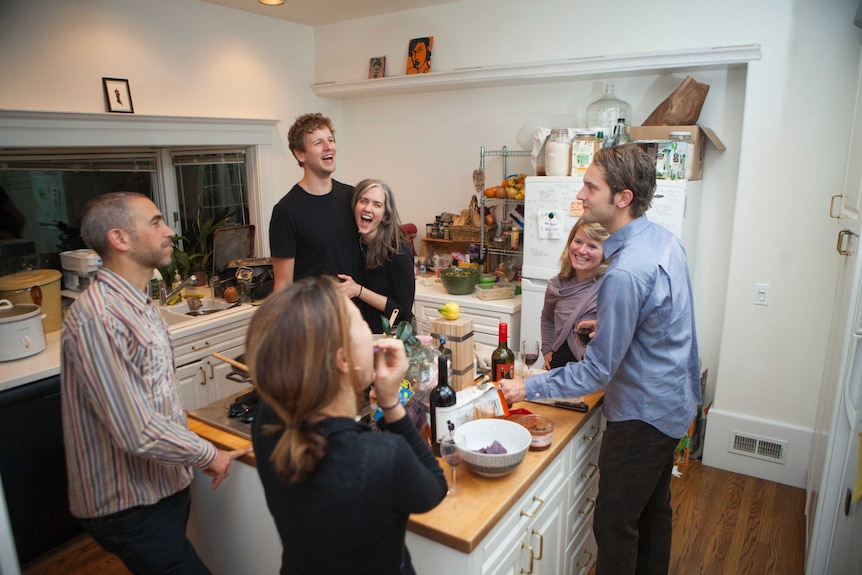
<point x="534" y="521"/>
<point x="583" y="486"/>
<point x="202" y="378"/>
<point x="486" y="314"/>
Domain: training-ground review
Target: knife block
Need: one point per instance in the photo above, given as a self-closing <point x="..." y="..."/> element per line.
<point x="459" y="341"/>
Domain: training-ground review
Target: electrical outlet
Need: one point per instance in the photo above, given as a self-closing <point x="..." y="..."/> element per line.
<point x="761" y="294"/>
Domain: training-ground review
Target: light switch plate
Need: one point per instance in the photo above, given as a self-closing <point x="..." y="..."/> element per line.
<point x="761" y="294"/>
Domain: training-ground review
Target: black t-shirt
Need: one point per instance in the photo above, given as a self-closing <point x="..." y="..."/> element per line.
<point x="397" y="281"/>
<point x="318" y="231"/>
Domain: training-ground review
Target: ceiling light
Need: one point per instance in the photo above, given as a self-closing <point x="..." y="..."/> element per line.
<point x="272" y="2"/>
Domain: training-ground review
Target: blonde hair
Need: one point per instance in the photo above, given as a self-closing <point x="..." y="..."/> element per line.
<point x="292" y="345"/>
<point x="594" y="231"/>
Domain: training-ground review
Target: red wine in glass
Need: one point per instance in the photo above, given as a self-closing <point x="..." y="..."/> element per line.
<point x="584" y="335"/>
<point x="531" y="358"/>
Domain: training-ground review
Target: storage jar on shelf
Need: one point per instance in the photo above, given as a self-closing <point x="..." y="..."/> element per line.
<point x="558" y="153"/>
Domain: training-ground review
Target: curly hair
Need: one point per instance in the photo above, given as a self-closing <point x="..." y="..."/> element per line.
<point x="306" y="124"/>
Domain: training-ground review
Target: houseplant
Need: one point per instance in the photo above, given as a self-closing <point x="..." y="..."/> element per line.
<point x="195" y="255"/>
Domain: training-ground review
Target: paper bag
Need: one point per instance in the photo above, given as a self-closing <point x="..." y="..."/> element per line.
<point x="682" y="107"/>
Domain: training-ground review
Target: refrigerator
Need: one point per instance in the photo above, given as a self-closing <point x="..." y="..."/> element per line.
<point x="551" y="208"/>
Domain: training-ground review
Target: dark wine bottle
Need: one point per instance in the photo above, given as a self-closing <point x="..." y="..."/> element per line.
<point x="503" y="360"/>
<point x="443" y="407"/>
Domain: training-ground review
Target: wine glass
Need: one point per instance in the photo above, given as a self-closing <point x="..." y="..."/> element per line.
<point x="530" y="353"/>
<point x="449" y="451"/>
<point x="584" y="333"/>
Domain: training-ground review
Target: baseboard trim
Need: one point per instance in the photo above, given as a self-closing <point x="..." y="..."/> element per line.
<point x="721" y="425"/>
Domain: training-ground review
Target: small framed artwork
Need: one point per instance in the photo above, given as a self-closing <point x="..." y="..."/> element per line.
<point x="419" y="55"/>
<point x="118" y="96"/>
<point x="377" y="67"/>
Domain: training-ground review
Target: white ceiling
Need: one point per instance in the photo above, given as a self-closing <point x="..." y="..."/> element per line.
<point x="317" y="12"/>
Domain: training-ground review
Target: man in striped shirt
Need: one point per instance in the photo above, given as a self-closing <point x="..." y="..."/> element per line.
<point x="129" y="451"/>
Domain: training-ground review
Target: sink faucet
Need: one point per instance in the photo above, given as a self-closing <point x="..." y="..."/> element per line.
<point x="165" y="296"/>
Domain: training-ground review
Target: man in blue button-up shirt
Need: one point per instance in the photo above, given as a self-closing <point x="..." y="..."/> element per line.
<point x="644" y="354"/>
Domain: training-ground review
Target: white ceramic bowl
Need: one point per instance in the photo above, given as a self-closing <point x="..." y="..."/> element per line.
<point x="481" y="433"/>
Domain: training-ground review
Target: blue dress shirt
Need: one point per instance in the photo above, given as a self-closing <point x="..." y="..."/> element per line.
<point x="644" y="352"/>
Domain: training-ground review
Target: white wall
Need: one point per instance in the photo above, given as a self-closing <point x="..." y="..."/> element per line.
<point x="764" y="219"/>
<point x="181" y="57"/>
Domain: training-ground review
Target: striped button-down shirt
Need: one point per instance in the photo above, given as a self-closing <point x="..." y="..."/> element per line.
<point x="126" y="434"/>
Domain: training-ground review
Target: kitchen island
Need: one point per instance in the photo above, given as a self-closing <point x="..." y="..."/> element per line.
<point x="488" y="526"/>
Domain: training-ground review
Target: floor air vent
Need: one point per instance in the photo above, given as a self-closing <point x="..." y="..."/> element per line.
<point x="760" y="447"/>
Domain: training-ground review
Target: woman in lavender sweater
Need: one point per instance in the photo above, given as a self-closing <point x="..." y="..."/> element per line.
<point x="570" y="298"/>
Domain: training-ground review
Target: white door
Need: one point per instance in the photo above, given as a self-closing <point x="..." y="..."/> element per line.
<point x="832" y="534"/>
<point x="846" y="207"/>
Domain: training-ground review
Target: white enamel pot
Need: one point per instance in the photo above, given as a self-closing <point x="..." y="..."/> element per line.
<point x="21" y="331"/>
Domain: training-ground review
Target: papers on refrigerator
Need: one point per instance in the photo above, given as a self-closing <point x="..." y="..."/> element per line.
<point x="550" y="225"/>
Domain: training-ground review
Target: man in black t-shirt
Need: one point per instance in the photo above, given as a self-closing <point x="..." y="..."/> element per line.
<point x="312" y="230"/>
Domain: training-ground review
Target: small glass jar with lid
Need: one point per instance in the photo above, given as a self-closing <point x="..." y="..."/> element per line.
<point x="558" y="153"/>
<point x="584" y="148"/>
<point x="679" y="163"/>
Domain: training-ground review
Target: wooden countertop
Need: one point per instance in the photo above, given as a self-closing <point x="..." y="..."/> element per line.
<point x="463" y="520"/>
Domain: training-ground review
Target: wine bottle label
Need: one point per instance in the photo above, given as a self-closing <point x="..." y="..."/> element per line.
<point x="444" y="416"/>
<point x="504" y="371"/>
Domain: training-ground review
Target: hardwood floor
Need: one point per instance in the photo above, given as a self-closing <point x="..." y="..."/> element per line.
<point x="723" y="523"/>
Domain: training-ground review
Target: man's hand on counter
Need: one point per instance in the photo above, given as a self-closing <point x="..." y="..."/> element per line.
<point x="219" y="469"/>
<point x="513" y="390"/>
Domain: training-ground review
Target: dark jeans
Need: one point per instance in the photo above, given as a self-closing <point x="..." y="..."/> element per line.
<point x="633" y="520"/>
<point x="150" y="539"/>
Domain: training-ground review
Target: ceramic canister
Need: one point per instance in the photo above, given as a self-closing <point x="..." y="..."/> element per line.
<point x="40" y="287"/>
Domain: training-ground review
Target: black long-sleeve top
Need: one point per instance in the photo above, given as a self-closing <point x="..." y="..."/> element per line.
<point x="396" y="280"/>
<point x="350" y="515"/>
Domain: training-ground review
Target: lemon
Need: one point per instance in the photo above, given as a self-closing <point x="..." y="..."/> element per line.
<point x="450" y="311"/>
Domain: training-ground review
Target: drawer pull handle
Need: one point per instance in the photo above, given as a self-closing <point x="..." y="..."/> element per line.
<point x="591" y="470"/>
<point x="832" y="207"/>
<point x="541" y="544"/>
<point x="203" y="375"/>
<point x="525" y="546"/>
<point x="212" y="370"/>
<point x="593" y="436"/>
<point x="536" y="510"/>
<point x="590" y="507"/>
<point x="200" y="347"/>
<point x="588" y="560"/>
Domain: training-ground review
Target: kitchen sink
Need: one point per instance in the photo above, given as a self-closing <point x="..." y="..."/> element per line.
<point x="181" y="312"/>
<point x="207" y="307"/>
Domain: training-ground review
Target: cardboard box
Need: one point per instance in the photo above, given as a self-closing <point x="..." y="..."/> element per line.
<point x="647" y="135"/>
<point x="459" y="340"/>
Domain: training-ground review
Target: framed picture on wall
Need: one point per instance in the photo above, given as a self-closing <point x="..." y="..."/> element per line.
<point x="419" y="55"/>
<point x="118" y="96"/>
<point x="377" y="67"/>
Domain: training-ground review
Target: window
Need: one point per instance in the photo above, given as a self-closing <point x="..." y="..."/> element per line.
<point x="46" y="190"/>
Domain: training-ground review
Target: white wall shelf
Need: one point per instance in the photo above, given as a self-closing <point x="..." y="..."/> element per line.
<point x="537" y="72"/>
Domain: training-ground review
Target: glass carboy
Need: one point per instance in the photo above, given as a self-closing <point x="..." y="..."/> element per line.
<point x="603" y="113"/>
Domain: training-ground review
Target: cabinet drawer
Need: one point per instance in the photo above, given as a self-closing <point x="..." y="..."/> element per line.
<point x="581" y="551"/>
<point x="590" y="434"/>
<point x="510" y="530"/>
<point x="580" y="513"/>
<point x="585" y="471"/>
<point x="194" y="347"/>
